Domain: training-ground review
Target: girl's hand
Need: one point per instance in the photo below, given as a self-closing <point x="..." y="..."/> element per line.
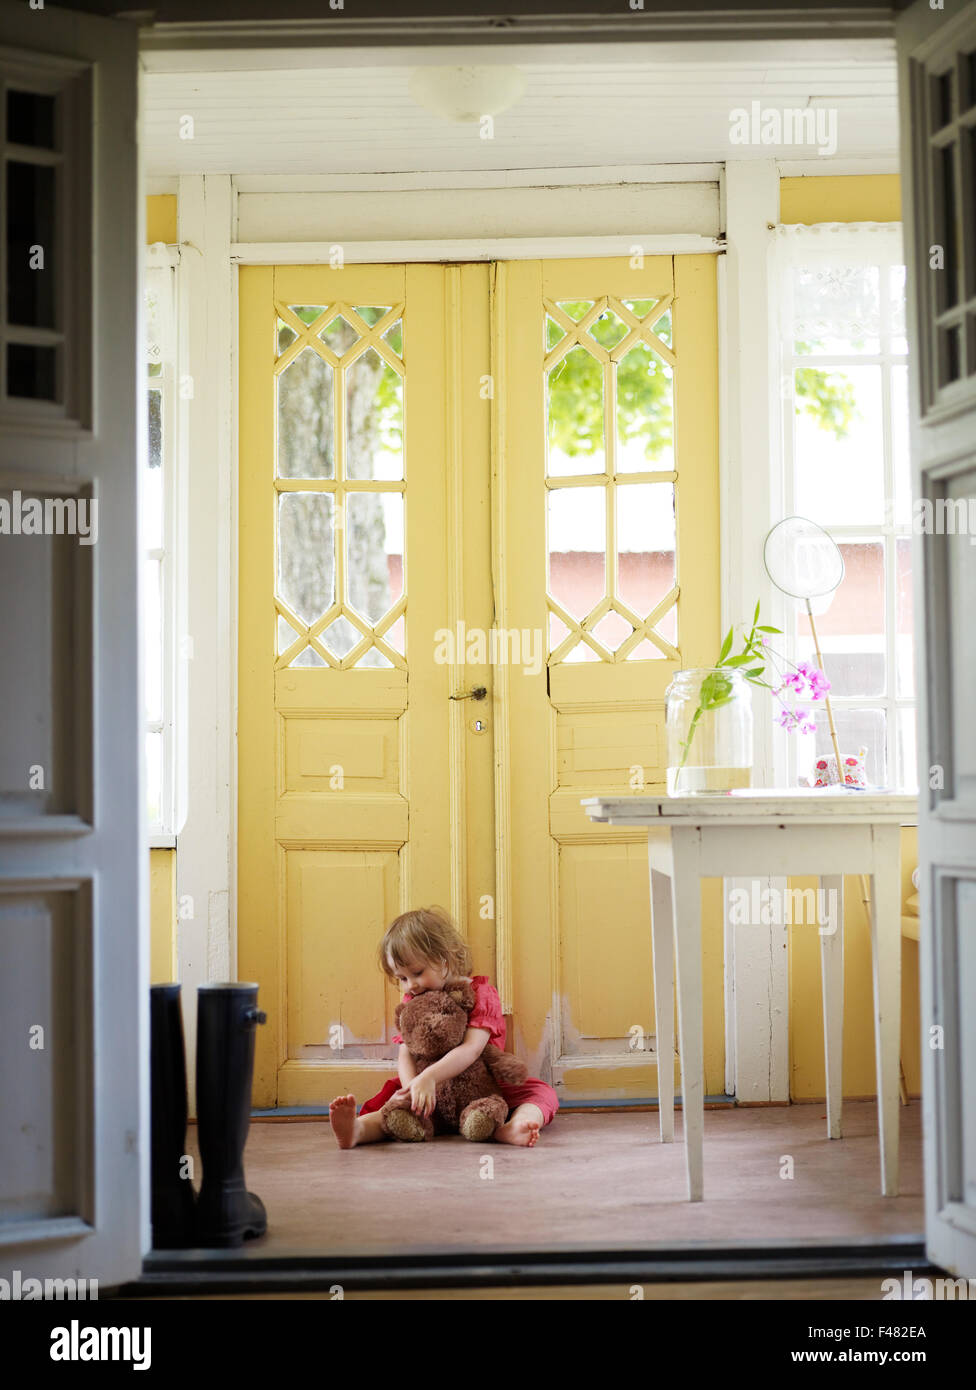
<point x="423" y="1094"/>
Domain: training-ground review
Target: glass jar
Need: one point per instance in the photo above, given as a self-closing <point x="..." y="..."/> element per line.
<point x="708" y="722"/>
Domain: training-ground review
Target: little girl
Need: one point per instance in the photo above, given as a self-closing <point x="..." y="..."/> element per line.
<point x="422" y="950"/>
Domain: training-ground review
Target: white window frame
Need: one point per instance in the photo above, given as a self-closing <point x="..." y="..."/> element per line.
<point x="871" y="243"/>
<point x="162" y="267"/>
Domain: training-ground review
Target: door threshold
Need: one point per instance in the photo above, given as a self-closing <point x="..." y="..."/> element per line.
<point x="188" y="1272"/>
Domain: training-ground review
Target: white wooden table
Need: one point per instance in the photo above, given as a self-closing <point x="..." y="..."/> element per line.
<point x="823" y="832"/>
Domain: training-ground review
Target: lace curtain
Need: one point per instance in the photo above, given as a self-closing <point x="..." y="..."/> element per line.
<point x="159" y="295"/>
<point x="835" y="283"/>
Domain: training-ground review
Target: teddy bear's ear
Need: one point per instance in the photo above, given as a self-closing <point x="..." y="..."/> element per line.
<point x="457" y="995"/>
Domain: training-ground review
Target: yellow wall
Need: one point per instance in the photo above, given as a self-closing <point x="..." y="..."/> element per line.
<point x="818" y="198"/>
<point x="871" y="198"/>
<point x="161" y="219"/>
<point x="162" y="915"/>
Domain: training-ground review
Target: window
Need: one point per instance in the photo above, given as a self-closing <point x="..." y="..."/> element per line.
<point x="158" y="542"/>
<point x="846" y="464"/>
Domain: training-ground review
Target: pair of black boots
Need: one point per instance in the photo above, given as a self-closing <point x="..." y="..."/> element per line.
<point x="225" y="1213"/>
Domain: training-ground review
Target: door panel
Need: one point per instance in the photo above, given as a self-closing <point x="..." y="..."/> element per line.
<point x="937" y="86"/>
<point x="74" y="900"/>
<point x="607" y="446"/>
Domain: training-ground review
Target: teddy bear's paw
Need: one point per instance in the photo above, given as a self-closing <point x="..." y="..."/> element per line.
<point x="403" y="1124"/>
<point x="481" y="1118"/>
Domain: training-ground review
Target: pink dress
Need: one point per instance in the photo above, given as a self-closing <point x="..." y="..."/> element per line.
<point x="487" y="1013"/>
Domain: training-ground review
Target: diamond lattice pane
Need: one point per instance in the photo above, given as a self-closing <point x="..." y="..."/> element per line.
<point x="581" y="652"/>
<point x="306" y="418"/>
<point x="640" y="308"/>
<point x="372" y="313"/>
<point x="662" y="329"/>
<point x="577" y="548"/>
<point x="306" y="553"/>
<point x="574" y="407"/>
<point x="286" y="634"/>
<point x="558" y="631"/>
<point x="308" y="656"/>
<point x="555" y="333"/>
<point x="285" y="335"/>
<point x="340" y="637"/>
<point x="394" y="337"/>
<point x="608" y="329"/>
<point x="374" y="419"/>
<point x="576" y="308"/>
<point x="611" y="630"/>
<point x="374" y="657"/>
<point x="339" y="335"/>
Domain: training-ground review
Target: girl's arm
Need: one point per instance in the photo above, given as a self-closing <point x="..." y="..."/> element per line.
<point x="460" y="1057"/>
<point x="406" y="1066"/>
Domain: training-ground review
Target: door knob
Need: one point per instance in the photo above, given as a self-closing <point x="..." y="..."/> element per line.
<point x="478" y="693"/>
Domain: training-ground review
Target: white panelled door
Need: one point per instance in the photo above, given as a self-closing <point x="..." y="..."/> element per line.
<point x="74" y="1053"/>
<point x="937" y="95"/>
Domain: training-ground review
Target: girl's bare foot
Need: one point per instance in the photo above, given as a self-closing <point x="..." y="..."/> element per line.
<point x="342" y="1117"/>
<point x="522" y="1128"/>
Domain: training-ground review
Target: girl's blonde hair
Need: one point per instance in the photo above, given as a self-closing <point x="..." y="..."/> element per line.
<point x="426" y="934"/>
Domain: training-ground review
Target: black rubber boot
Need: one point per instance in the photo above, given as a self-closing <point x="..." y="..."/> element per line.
<point x="173" y="1201"/>
<point x="227" y="1016"/>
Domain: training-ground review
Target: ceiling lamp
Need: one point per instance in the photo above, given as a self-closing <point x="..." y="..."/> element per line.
<point x="466" y="94"/>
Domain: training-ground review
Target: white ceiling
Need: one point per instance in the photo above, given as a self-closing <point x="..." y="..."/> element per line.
<point x="360" y="119"/>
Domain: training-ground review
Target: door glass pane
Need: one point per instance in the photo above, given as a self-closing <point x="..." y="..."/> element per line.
<point x="374" y="419"/>
<point x="31" y="247"/>
<point x="645" y="412"/>
<point x="306" y="418"/>
<point x="574" y="405"/>
<point x="948" y="210"/>
<point x="32" y="372"/>
<point x="646" y="553"/>
<point x="30" y="119"/>
<point x="374" y="552"/>
<point x="577" y="548"/>
<point x="305" y="551"/>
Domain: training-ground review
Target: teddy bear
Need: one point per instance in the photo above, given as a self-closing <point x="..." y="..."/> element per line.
<point x="431" y="1025"/>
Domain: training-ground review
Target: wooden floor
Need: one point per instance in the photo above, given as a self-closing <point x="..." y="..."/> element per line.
<point x="593" y="1181"/>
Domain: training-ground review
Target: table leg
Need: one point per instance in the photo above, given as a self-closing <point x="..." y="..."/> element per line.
<point x="886" y="960"/>
<point x="662" y="935"/>
<point x="831" y="930"/>
<point x="686" y="889"/>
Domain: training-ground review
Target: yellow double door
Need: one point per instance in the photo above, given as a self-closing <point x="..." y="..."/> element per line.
<point x="478" y="533"/>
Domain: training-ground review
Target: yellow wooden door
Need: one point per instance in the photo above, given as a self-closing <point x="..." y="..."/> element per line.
<point x="606" y="448"/>
<point x="363" y="788"/>
<point x="409" y="437"/>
